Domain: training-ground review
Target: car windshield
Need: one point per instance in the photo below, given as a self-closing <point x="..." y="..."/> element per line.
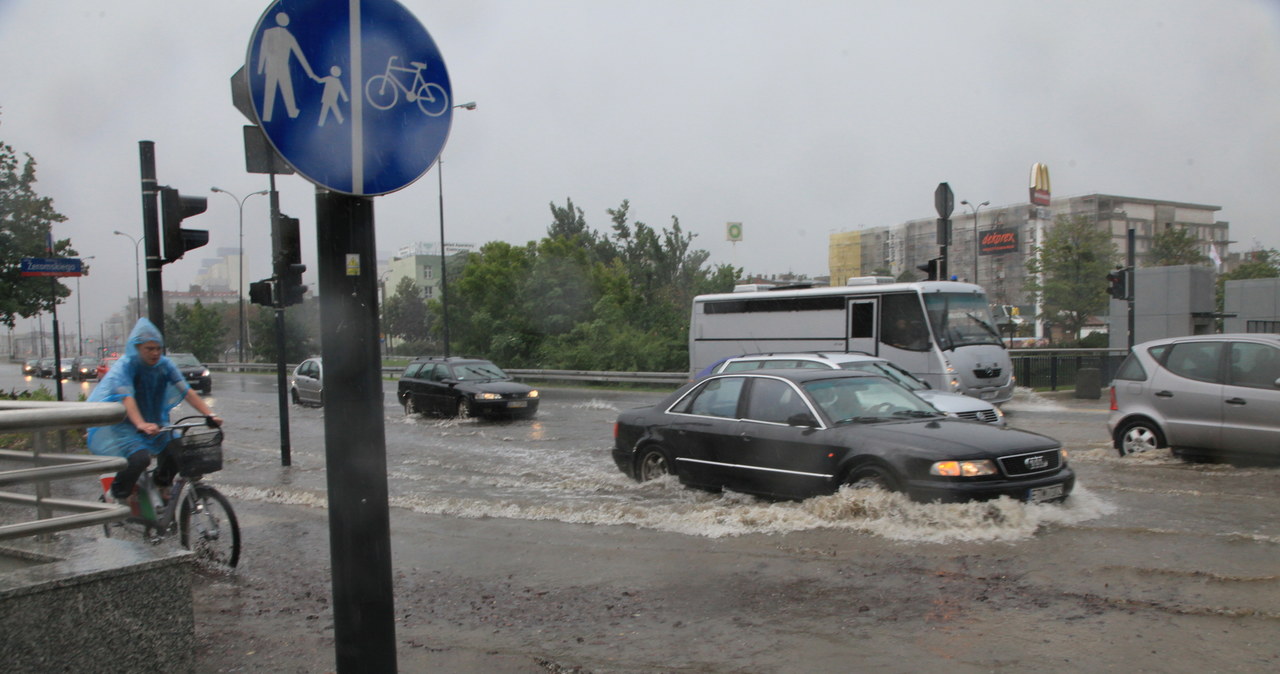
<point x="478" y="371"/>
<point x="960" y="319"/>
<point x="183" y="359"/>
<point x="887" y="370"/>
<point x="866" y="400"/>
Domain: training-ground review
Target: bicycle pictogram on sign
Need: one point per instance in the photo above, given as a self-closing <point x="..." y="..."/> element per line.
<point x="383" y="91"/>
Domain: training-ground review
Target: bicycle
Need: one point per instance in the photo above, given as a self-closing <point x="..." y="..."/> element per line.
<point x="431" y="98"/>
<point x="195" y="511"/>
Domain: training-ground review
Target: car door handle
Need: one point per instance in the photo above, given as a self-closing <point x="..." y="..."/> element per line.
<point x="1236" y="401"/>
<point x="1164" y="394"/>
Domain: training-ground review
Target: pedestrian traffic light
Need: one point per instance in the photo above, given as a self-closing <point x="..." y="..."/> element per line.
<point x="289" y="265"/>
<point x="930" y="268"/>
<point x="260" y="293"/>
<point x="174" y="208"/>
<point x="1116" y="286"/>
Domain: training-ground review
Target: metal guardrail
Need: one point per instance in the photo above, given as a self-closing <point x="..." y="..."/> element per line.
<point x="673" y="378"/>
<point x="40" y="419"/>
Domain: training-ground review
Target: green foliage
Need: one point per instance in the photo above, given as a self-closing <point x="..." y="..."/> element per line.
<point x="1074" y="259"/>
<point x="262" y="331"/>
<point x="1175" y="246"/>
<point x="26" y="219"/>
<point x="405" y="313"/>
<point x="196" y="329"/>
<point x="1262" y="263"/>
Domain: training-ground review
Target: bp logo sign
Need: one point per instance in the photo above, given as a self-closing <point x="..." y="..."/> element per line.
<point x="733" y="231"/>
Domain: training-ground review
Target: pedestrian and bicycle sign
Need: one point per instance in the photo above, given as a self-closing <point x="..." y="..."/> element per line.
<point x="354" y="94"/>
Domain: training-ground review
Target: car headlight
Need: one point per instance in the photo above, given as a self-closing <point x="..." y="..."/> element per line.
<point x="204" y="373"/>
<point x="963" y="468"/>
<point x="999" y="412"/>
<point x="488" y="396"/>
<point x="533" y="394"/>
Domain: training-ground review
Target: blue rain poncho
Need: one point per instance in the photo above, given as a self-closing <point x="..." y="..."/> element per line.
<point x="155" y="388"/>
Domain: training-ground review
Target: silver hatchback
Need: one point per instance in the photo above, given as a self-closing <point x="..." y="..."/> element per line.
<point x="1205" y="397"/>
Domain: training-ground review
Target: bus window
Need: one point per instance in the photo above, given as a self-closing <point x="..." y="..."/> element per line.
<point x="862" y="320"/>
<point x="961" y="319"/>
<point x="904" y="325"/>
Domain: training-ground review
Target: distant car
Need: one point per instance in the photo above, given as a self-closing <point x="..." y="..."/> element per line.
<point x="31" y="368"/>
<point x="105" y="364"/>
<point x="951" y="404"/>
<point x="1204" y="396"/>
<point x="306" y="384"/>
<point x="47" y="366"/>
<point x="195" y="372"/>
<point x="805" y="432"/>
<point x="463" y="387"/>
<point x="67" y="368"/>
<point x="85" y="368"/>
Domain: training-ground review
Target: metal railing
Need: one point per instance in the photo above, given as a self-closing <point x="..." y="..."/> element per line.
<point x="42" y="419"/>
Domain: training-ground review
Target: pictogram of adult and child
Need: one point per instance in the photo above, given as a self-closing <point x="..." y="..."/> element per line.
<point x="279" y="47"/>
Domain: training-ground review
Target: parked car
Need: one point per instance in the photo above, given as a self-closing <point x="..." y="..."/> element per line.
<point x="85" y="368"/>
<point x="1205" y="397"/>
<point x="951" y="404"/>
<point x="463" y="387"/>
<point x="804" y="432"/>
<point x="306" y="384"/>
<point x="31" y="368"/>
<point x="105" y="364"/>
<point x="195" y="372"/>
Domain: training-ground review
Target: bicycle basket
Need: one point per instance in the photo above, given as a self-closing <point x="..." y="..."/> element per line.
<point x="198" y="451"/>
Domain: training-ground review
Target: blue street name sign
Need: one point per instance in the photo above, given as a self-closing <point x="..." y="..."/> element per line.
<point x="352" y="93"/>
<point x="57" y="266"/>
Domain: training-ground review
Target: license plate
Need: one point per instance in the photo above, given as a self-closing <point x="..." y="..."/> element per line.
<point x="518" y="403"/>
<point x="1042" y="494"/>
<point x="988" y="395"/>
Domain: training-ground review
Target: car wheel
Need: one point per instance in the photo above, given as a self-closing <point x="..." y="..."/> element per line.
<point x="653" y="464"/>
<point x="872" y="477"/>
<point x="293" y="395"/>
<point x="464" y="409"/>
<point x="1138" y="436"/>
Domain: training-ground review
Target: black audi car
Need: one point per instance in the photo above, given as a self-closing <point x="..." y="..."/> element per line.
<point x="800" y="433"/>
<point x="463" y="387"/>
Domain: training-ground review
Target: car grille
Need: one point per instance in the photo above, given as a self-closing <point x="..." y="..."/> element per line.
<point x="987" y="372"/>
<point x="1031" y="464"/>
<point x="985" y="416"/>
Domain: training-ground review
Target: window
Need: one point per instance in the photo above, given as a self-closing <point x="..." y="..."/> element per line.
<point x="862" y="320"/>
<point x="412" y="371"/>
<point x="774" y="401"/>
<point x="1131" y="369"/>
<point x="903" y="325"/>
<point x="1195" y="360"/>
<point x="1254" y="365"/>
<point x="716" y="398"/>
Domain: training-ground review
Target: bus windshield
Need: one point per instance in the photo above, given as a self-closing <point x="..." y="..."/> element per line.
<point x="960" y="319"/>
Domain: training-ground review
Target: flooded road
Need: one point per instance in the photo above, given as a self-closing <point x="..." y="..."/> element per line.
<point x="520" y="540"/>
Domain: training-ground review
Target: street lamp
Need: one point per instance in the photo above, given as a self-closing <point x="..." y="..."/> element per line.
<point x="975" y="234"/>
<point x="79" y="322"/>
<point x="240" y="336"/>
<point x="444" y="278"/>
<point x="137" y="284"/>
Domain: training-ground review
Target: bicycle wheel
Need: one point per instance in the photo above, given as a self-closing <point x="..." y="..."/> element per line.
<point x="381" y="92"/>
<point x="432" y="99"/>
<point x="209" y="527"/>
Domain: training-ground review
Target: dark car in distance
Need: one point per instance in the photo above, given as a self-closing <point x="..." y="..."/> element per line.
<point x="85" y="368"/>
<point x="799" y="433"/>
<point x="31" y="368"/>
<point x="195" y="372"/>
<point x="463" y="387"/>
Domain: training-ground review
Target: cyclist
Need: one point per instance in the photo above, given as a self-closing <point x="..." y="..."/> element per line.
<point x="149" y="385"/>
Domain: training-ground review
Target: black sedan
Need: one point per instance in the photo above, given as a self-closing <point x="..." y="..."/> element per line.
<point x="800" y="433"/>
<point x="195" y="372"/>
<point x="463" y="387"/>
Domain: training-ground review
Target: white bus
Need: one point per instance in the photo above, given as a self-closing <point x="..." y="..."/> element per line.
<point x="940" y="331"/>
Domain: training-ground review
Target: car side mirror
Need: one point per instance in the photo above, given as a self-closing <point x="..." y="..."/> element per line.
<point x="802" y="419"/>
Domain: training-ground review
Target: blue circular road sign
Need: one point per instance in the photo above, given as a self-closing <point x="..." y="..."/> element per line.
<point x="352" y="93"/>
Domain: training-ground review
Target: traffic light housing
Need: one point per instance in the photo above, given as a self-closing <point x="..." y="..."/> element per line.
<point x="174" y="208"/>
<point x="1116" y="284"/>
<point x="260" y="292"/>
<point x="289" y="265"/>
<point x="930" y="268"/>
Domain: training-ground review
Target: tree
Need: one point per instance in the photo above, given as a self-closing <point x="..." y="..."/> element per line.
<point x="1074" y="261"/>
<point x="197" y="329"/>
<point x="298" y="345"/>
<point x="405" y="312"/>
<point x="26" y="221"/>
<point x="1175" y="246"/>
<point x="1261" y="263"/>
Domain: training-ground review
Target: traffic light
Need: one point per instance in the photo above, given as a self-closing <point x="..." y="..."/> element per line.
<point x="174" y="208"/>
<point x="930" y="268"/>
<point x="260" y="292"/>
<point x="289" y="265"/>
<point x="1116" y="286"/>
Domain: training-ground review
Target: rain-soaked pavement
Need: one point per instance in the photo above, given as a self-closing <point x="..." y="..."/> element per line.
<point x="518" y="546"/>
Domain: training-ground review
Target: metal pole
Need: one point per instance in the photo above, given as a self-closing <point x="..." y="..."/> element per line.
<point x="282" y="385"/>
<point x="137" y="285"/>
<point x="79" y="318"/>
<point x="1130" y="283"/>
<point x="240" y="334"/>
<point x="151" y="234"/>
<point x="444" y="277"/>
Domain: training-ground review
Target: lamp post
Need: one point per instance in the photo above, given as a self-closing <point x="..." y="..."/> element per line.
<point x="240" y="336"/>
<point x="79" y="322"/>
<point x="444" y="278"/>
<point x="137" y="284"/>
<point x="975" y="233"/>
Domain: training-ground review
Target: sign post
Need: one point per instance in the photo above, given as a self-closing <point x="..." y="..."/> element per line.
<point x="355" y="97"/>
<point x="944" y="200"/>
<point x="53" y="267"/>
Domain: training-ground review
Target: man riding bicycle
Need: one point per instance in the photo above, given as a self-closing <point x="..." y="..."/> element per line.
<point x="149" y="385"/>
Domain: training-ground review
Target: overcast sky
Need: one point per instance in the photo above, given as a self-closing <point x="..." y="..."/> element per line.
<point x="797" y="118"/>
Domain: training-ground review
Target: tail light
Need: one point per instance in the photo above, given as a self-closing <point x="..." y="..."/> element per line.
<point x="1113" y="398"/>
<point x="615" y="426"/>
